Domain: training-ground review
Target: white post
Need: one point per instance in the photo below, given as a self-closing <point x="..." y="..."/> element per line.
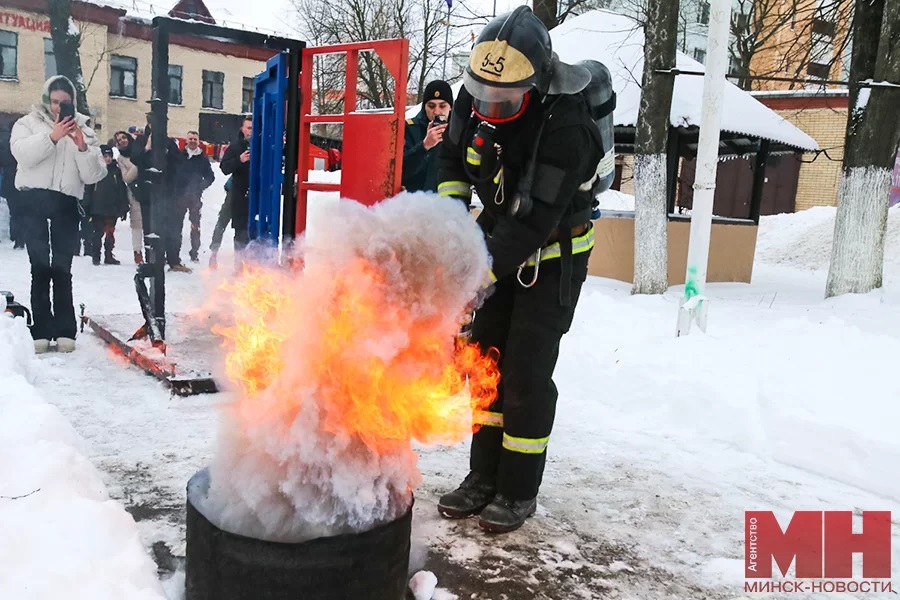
<point x="446" y="44"/>
<point x="694" y="304"/>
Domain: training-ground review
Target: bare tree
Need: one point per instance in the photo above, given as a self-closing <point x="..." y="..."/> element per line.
<point x="423" y="22"/>
<point x="90" y="31"/>
<point x="873" y="136"/>
<point x="66" y="43"/>
<point x="650" y="147"/>
<point x="794" y="34"/>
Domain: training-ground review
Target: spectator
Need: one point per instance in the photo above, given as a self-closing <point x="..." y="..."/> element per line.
<point x="334" y="159"/>
<point x="57" y="156"/>
<point x="8" y="189"/>
<point x="107" y="202"/>
<point x="235" y="162"/>
<point x="194" y="176"/>
<point x="167" y="222"/>
<point x="423" y="134"/>
<point x="124" y="143"/>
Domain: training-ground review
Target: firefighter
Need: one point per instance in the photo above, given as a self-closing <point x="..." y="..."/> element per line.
<point x="521" y="133"/>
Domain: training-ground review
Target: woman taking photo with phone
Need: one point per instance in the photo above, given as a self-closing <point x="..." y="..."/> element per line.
<point x="58" y="155"/>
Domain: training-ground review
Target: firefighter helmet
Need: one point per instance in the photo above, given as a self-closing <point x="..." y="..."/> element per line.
<point x="512" y="56"/>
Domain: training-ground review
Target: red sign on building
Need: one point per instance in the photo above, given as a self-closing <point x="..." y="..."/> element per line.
<point x="22" y="22"/>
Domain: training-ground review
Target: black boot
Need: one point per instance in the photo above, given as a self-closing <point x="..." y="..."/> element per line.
<point x="469" y="498"/>
<point x="504" y="515"/>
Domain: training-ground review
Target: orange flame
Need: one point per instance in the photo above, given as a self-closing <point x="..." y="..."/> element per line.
<point x="384" y="371"/>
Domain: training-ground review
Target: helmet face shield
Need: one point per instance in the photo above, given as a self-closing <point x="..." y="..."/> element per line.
<point x="496" y="103"/>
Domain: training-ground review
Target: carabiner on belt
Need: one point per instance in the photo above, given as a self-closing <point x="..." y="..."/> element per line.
<point x="537" y="266"/>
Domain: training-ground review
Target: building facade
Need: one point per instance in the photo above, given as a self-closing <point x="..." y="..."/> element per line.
<point x="822" y="115"/>
<point x="211" y="81"/>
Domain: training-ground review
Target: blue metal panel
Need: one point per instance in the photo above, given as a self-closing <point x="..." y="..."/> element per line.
<point x="267" y="150"/>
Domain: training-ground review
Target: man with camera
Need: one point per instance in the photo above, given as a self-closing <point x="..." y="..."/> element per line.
<point x="423" y="134"/>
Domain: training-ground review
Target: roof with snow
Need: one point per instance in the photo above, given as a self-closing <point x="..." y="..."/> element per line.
<point x="192" y="9"/>
<point x="618" y="42"/>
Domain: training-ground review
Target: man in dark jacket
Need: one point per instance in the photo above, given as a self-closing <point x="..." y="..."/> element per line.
<point x="236" y="208"/>
<point x="193" y="177"/>
<point x="537" y="191"/>
<point x="8" y="188"/>
<point x="422" y="138"/>
<point x="170" y="227"/>
<point x="106" y="202"/>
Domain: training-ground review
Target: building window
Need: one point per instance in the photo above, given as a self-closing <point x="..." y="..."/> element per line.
<point x="822" y="50"/>
<point x="213" y="89"/>
<point x="700" y="55"/>
<point x="247" y="96"/>
<point x="703" y="13"/>
<point x="50" y="69"/>
<point x="175" y="85"/>
<point x="818" y="71"/>
<point x="123" y="76"/>
<point x="9" y="55"/>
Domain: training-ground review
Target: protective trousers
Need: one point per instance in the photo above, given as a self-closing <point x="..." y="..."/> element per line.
<point x="525" y="325"/>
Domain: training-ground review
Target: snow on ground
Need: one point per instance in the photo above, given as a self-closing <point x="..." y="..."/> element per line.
<point x="660" y="443"/>
<point x="64" y="536"/>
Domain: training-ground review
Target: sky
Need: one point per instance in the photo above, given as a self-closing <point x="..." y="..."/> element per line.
<point x="276" y="14"/>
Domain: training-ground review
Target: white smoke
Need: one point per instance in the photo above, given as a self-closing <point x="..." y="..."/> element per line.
<point x="283" y="470"/>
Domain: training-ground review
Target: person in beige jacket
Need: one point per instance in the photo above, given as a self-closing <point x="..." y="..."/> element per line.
<point x="57" y="156"/>
<point x="123" y="142"/>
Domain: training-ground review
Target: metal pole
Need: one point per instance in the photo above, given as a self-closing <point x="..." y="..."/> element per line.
<point x="291" y="154"/>
<point x="446" y="43"/>
<point x="693" y="305"/>
<point x="159" y="105"/>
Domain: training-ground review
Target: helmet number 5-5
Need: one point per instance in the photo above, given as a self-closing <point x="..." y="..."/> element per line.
<point x="497" y="66"/>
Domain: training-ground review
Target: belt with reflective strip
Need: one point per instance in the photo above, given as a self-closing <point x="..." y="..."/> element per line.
<point x="580" y="244"/>
<point x="458" y="189"/>
<point x="490" y="419"/>
<point x="473" y="157"/>
<point x="525" y="445"/>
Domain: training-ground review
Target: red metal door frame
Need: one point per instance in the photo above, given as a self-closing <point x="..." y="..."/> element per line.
<point x="372" y="152"/>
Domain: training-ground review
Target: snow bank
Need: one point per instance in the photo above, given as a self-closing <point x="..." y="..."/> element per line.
<point x="615" y="200"/>
<point x="790" y="385"/>
<point x="803" y="240"/>
<point x="65" y="537"/>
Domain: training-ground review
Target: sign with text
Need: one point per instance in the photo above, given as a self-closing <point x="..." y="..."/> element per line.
<point x="820" y="545"/>
<point x="22" y="22"/>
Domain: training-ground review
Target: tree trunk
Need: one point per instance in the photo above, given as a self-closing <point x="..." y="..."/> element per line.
<point x="66" y="41"/>
<point x="651" y="143"/>
<point x="547" y="11"/>
<point x="873" y="136"/>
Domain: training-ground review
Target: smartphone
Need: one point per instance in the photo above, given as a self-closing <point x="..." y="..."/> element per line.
<point x="66" y="109"/>
<point x="439" y="120"/>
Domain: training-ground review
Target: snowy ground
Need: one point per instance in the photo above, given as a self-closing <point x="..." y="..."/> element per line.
<point x="660" y="444"/>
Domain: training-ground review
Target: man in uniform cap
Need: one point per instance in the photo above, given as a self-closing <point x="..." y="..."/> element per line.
<point x="423" y="134"/>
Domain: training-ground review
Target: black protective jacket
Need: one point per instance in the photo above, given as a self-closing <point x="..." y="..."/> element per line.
<point x="567" y="156"/>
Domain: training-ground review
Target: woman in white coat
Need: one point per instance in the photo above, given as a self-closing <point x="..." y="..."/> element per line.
<point x="123" y="142"/>
<point x="56" y="159"/>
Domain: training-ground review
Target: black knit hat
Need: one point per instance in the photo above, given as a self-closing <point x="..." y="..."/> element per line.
<point x="106" y="150"/>
<point x="438" y="90"/>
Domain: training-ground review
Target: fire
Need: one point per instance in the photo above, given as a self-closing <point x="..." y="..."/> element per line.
<point x="340" y="364"/>
<point x="385" y="374"/>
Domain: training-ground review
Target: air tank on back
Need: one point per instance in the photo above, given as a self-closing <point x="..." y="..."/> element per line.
<point x="602" y="100"/>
